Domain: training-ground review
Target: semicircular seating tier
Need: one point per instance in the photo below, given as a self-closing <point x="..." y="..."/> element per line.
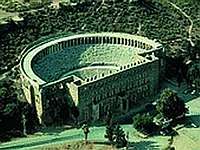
<point x="85" y="56"/>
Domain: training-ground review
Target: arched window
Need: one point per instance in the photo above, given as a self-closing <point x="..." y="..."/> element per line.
<point x="115" y="40"/>
<point x="122" y="40"/>
<point x="93" y="40"/>
<point x="100" y="40"/>
<point x="95" y="77"/>
<point x="132" y="42"/>
<point x="67" y="43"/>
<point x="104" y="40"/>
<point x="118" y="41"/>
<point x="111" y="40"/>
<point x="79" y="41"/>
<point x="71" y="42"/>
<point x="82" y="40"/>
<point x="86" y="40"/>
<point x="89" y="40"/>
<point x="136" y="43"/>
<point x="107" y="39"/>
<point x="97" y="40"/>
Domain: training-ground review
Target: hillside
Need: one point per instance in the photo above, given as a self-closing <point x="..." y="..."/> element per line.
<point x="156" y="20"/>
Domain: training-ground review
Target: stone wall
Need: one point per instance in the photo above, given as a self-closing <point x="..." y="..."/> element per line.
<point x="109" y="92"/>
<point x="32" y="94"/>
<point x="94" y="96"/>
<point x="119" y="91"/>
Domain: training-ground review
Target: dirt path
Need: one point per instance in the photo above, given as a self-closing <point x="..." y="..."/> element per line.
<point x="189" y="18"/>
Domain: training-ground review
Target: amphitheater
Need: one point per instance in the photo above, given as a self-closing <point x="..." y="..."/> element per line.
<point x="93" y="73"/>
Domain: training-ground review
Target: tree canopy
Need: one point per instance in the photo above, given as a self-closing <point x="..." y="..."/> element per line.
<point x="170" y="105"/>
<point x="144" y="123"/>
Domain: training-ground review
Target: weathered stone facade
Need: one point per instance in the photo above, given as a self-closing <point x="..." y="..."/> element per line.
<point x="117" y="89"/>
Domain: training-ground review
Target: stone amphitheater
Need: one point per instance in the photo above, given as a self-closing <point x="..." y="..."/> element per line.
<point x="94" y="73"/>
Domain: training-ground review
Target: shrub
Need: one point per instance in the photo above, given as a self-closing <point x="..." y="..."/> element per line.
<point x="144" y="123"/>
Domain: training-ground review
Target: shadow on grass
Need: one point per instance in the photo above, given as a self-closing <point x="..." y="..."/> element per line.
<point x="54" y="130"/>
<point x="189" y="97"/>
<point x="38" y="143"/>
<point x="102" y="142"/>
<point x="143" y="145"/>
<point x="193" y="121"/>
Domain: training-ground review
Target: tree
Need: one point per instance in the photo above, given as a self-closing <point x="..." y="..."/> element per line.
<point x="86" y="130"/>
<point x="170" y="106"/>
<point x="120" y="139"/>
<point x="75" y="113"/>
<point x="110" y="132"/>
<point x="193" y="75"/>
<point x="144" y="123"/>
<point x="110" y="127"/>
<point x="114" y="133"/>
<point x="13" y="115"/>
